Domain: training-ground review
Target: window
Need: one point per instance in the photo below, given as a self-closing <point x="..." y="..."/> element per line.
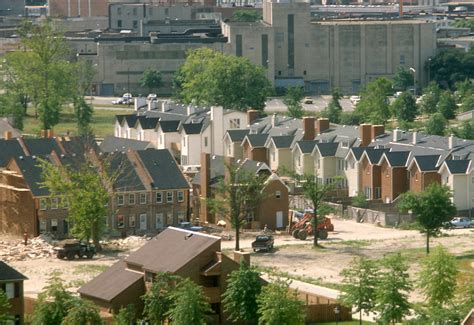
<point x="119" y="11"/>
<point x="159" y="221"/>
<point x="43" y="204"/>
<point x="278" y="194"/>
<point x="134" y="11"/>
<point x="65" y="203"/>
<point x="119" y="23"/>
<point x="131" y="199"/>
<point x="180" y="216"/>
<point x="135" y="24"/>
<point x="402" y="59"/>
<point x="304" y="72"/>
<point x="169" y="197"/>
<point x="180" y="196"/>
<point x="184" y="160"/>
<point x="131" y="221"/>
<point x="318" y="162"/>
<point x="184" y="142"/>
<point x="142" y="198"/>
<point x="416" y="176"/>
<point x="54" y="224"/>
<point x="120" y="221"/>
<point x="205" y="141"/>
<point x="161" y="138"/>
<point x="159" y="197"/>
<point x="119" y="199"/>
<point x="234" y="123"/>
<point x="169" y="219"/>
<point x="42" y="226"/>
<point x="10" y="290"/>
<point x="54" y="203"/>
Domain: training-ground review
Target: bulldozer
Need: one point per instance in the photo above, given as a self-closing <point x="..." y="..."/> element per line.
<point x="304" y="227"/>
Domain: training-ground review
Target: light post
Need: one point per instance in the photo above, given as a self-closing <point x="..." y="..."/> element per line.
<point x="414" y="81"/>
<point x="337" y="311"/>
<point x="429" y="69"/>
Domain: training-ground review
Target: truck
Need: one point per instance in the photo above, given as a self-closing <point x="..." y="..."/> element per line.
<point x="303" y="227"/>
<point x="263" y="242"/>
<point x="72" y="248"/>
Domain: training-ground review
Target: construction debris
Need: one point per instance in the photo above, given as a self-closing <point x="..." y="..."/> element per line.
<point x="16" y="250"/>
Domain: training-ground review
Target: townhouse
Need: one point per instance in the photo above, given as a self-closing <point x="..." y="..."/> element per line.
<point x="11" y="282"/>
<point x="458" y="175"/>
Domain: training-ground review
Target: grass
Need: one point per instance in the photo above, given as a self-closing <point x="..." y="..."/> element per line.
<point x="90" y="269"/>
<point x="350" y="322"/>
<point x="352" y="243"/>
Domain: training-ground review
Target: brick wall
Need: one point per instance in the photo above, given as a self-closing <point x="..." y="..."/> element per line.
<point x="259" y="154"/>
<point x="75" y="8"/>
<point x="270" y="205"/>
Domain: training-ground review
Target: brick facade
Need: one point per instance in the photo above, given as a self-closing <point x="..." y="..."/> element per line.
<point x="419" y="181"/>
<point x="371" y="179"/>
<point x="78" y="8"/>
<point x="394" y="181"/>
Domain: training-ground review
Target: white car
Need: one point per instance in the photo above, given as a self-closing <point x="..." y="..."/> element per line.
<point x="152" y="97"/>
<point x="461" y="222"/>
<point x="354" y="99"/>
<point x="126" y="99"/>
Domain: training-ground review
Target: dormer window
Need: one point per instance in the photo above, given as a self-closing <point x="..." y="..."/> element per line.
<point x="345" y="144"/>
<point x="234" y="123"/>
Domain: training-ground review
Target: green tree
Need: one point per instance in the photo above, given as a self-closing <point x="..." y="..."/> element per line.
<point x="151" y="79"/>
<point x="237" y="196"/>
<point x="211" y="78"/>
<point x="360" y="200"/>
<point x="403" y="79"/>
<point x="374" y="106"/>
<point x="464" y="23"/>
<point x="83" y="74"/>
<point x="404" y="107"/>
<point x="465" y="130"/>
<point x="436" y="124"/>
<point x="447" y="105"/>
<point x="467" y="103"/>
<point x="53" y="303"/>
<point x="359" y="284"/>
<point x="392" y="290"/>
<point x="189" y="306"/>
<point x="5" y="317"/>
<point x="465" y="293"/>
<point x="126" y="316"/>
<point x="240" y="297"/>
<point x="334" y="109"/>
<point x="10" y="106"/>
<point x="83" y="188"/>
<point x="278" y="305"/>
<point x="451" y="65"/>
<point x="83" y="112"/>
<point x="248" y="16"/>
<point x="463" y="89"/>
<point x="157" y="301"/>
<point x="432" y="208"/>
<point x="349" y="118"/>
<point x="82" y="312"/>
<point x="430" y="98"/>
<point x="292" y="100"/>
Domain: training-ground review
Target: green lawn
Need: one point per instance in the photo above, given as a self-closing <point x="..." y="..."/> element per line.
<point x="352" y="322"/>
<point x="102" y="122"/>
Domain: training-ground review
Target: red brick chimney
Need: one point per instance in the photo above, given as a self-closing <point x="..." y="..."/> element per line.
<point x="205" y="184"/>
<point x="49" y="133"/>
<point x="322" y="124"/>
<point x="7" y="135"/>
<point x="252" y="115"/>
<point x="365" y="134"/>
<point x="377" y="130"/>
<point x="308" y="128"/>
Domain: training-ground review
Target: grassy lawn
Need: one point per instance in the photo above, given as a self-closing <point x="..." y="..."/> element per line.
<point x="351" y="322"/>
<point x="102" y="122"/>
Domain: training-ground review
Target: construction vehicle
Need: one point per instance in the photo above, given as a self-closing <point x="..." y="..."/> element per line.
<point x="304" y="227"/>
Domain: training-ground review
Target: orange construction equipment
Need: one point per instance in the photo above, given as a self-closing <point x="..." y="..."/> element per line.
<point x="304" y="227"/>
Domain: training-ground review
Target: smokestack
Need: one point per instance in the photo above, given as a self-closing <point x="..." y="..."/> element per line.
<point x="365" y="134"/>
<point x="397" y="134"/>
<point x="308" y="128"/>
<point x="322" y="124"/>
<point x="274" y="120"/>
<point x="252" y="115"/>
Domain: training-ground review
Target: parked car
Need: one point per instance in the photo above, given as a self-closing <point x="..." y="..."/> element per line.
<point x="460" y="222"/>
<point x="72" y="248"/>
<point x="308" y="100"/>
<point x="354" y="99"/>
<point x="263" y="242"/>
<point x="189" y="226"/>
<point x="126" y="99"/>
<point x="152" y="97"/>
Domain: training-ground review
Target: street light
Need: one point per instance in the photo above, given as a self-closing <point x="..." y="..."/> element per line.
<point x="429" y="69"/>
<point x="414" y="80"/>
<point x="337" y="311"/>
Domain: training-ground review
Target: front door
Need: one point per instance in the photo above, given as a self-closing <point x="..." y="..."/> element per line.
<point x="142" y="221"/>
<point x="159" y="220"/>
<point x="279" y="219"/>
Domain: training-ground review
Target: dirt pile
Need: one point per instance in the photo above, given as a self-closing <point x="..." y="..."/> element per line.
<point x="16" y="250"/>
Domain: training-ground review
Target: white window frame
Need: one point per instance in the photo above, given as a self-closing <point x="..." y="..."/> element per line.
<point x="120" y="200"/>
<point x="181" y="216"/>
<point x="169" y="198"/>
<point x="160" y="194"/>
<point x="143" y="197"/>
<point x="131" y="202"/>
<point x="277" y="194"/>
<point x="159" y="216"/>
<point x="234" y="123"/>
<point x="43" y="204"/>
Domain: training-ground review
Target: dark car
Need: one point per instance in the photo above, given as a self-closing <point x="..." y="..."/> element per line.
<point x="263" y="242"/>
<point x="71" y="248"/>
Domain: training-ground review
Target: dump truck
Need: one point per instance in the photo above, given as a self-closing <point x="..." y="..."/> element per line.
<point x="303" y="227"/>
<point x="72" y="248"/>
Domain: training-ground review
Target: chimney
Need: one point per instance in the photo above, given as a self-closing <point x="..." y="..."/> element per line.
<point x="274" y="120"/>
<point x="43" y="134"/>
<point x="190" y="110"/>
<point x="49" y="133"/>
<point x="322" y="124"/>
<point x="365" y="134"/>
<point x="205" y="184"/>
<point x="252" y="115"/>
<point x="308" y="128"/>
<point x="377" y="130"/>
<point x="451" y="142"/>
<point x="242" y="256"/>
<point x="7" y="135"/>
<point x="397" y="134"/>
<point x="164" y="106"/>
<point x="415" y="137"/>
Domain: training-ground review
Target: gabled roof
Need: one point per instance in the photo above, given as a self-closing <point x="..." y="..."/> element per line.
<point x="7" y="273"/>
<point x="6" y="126"/>
<point x="306" y="146"/>
<point x="148" y="123"/>
<point x="120" y="118"/>
<point x="426" y="163"/>
<point x="327" y="149"/>
<point x="131" y="120"/>
<point x="357" y="152"/>
<point x="172" y="250"/>
<point x="282" y="141"/>
<point x="9" y="149"/>
<point x="256" y="140"/>
<point x="127" y="178"/>
<point x="396" y="158"/>
<point x="169" y="126"/>
<point x="111" y="144"/>
<point x="31" y="171"/>
<point x="192" y="128"/>
<point x="237" y="135"/>
<point x="42" y="146"/>
<point x="374" y="155"/>
<point x="163" y="169"/>
<point x="457" y="166"/>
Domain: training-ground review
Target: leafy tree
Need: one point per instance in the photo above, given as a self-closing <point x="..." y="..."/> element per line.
<point x="213" y="78"/>
<point x="403" y="79"/>
<point x="465" y="293"/>
<point x="278" y="305"/>
<point x="463" y="89"/>
<point x="10" y="106"/>
<point x="292" y="100"/>
<point x="464" y="23"/>
<point x="391" y="292"/>
<point x="236" y="196"/>
<point x="465" y="130"/>
<point x="189" y="305"/>
<point x="126" y="316"/>
<point x="240" y="297"/>
<point x="349" y="118"/>
<point x="447" y="105"/>
<point x="430" y="98"/>
<point x="83" y="74"/>
<point x="451" y="65"/>
<point x="359" y="284"/>
<point x="248" y="16"/>
<point x="436" y="124"/>
<point x="467" y="103"/>
<point x="53" y="303"/>
<point x="374" y="106"/>
<point x="83" y="112"/>
<point x="151" y="79"/>
<point x="334" y="109"/>
<point x="83" y="188"/>
<point x="82" y="312"/>
<point x="157" y="300"/>
<point x="360" y="200"/>
<point x="404" y="107"/>
<point x="5" y="318"/>
<point x="432" y="208"/>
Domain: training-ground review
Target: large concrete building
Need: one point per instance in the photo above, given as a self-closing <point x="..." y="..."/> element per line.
<point x="12" y="7"/>
<point x="77" y="8"/>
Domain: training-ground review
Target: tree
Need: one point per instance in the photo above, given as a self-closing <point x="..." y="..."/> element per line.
<point x="463" y="89"/>
<point x="430" y="98"/>
<point x="278" y="305"/>
<point x="10" y="106"/>
<point x="403" y="79"/>
<point x="447" y="105"/>
<point x="83" y="112"/>
<point x="189" y="305"/>
<point x="391" y="292"/>
<point x="467" y="103"/>
<point x="83" y="75"/>
<point x="359" y="284"/>
<point x="157" y="300"/>
<point x="334" y="109"/>
<point x="349" y="118"/>
<point x="436" y="124"/>
<point x="126" y="316"/>
<point x="451" y="65"/>
<point x="465" y="130"/>
<point x="374" y="106"/>
<point x="465" y="293"/>
<point x="360" y="200"/>
<point x="404" y="107"/>
<point x="5" y="318"/>
<point x="212" y="78"/>
<point x="84" y="187"/>
<point x="292" y="100"/>
<point x="248" y="16"/>
<point x="53" y="303"/>
<point x="82" y="313"/>
<point x="432" y="208"/>
<point x="464" y="23"/>
<point x="237" y="195"/>
<point x="240" y="297"/>
<point x="151" y="79"/>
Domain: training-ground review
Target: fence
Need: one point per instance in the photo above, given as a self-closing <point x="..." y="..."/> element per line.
<point x="326" y="313"/>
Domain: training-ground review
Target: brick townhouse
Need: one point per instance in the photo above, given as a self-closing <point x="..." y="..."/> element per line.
<point x="11" y="282"/>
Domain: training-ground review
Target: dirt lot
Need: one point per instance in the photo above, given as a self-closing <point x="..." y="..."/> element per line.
<point x="290" y="256"/>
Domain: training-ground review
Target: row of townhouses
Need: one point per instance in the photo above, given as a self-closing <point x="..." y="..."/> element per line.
<point x="381" y="164"/>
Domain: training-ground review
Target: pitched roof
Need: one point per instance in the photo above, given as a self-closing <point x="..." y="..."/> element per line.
<point x="192" y="128"/>
<point x="6" y="126"/>
<point x="111" y="143"/>
<point x="374" y="155"/>
<point x="107" y="285"/>
<point x="9" y="149"/>
<point x="163" y="169"/>
<point x="169" y="126"/>
<point x="283" y="141"/>
<point x="306" y="146"/>
<point x="9" y="273"/>
<point x="397" y="158"/>
<point x="457" y="166"/>
<point x="171" y="250"/>
<point x="427" y="163"/>
<point x="127" y="178"/>
<point x="357" y="152"/>
<point x="327" y="149"/>
<point x="42" y="146"/>
<point x="120" y="118"/>
<point x="237" y="135"/>
<point x="131" y="120"/>
<point x="31" y="171"/>
<point x="148" y="123"/>
<point x="257" y="140"/>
